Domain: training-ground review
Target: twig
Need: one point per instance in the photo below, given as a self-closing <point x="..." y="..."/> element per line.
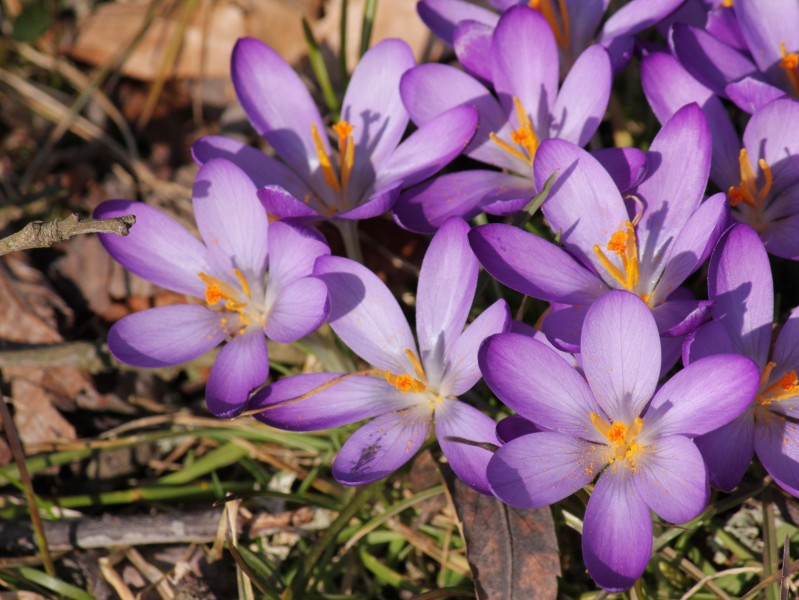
<point x="27" y="485"/>
<point x="43" y="235"/>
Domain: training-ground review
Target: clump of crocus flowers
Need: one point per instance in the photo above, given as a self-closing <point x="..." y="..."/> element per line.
<point x="601" y="403"/>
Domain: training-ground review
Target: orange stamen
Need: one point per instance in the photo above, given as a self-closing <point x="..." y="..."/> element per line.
<point x="747" y="190"/>
<point x="324" y="160"/>
<point x="624" y="244"/>
<point x="786" y="386"/>
<point x="620" y="437"/>
<point x="790" y="64"/>
<point x="547" y="9"/>
<point x="524" y="137"/>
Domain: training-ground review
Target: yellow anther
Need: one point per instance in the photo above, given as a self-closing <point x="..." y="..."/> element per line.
<point x="786" y="386"/>
<point x="245" y="287"/>
<point x="217" y="289"/>
<point x="562" y="31"/>
<point x="404" y="383"/>
<point x="727" y="3"/>
<point x="324" y="160"/>
<point x="620" y="436"/>
<point x="747" y="191"/>
<point x="622" y="243"/>
<point x="417" y="365"/>
<point x="237" y="301"/>
<point x="790" y="64"/>
<point x="524" y="137"/>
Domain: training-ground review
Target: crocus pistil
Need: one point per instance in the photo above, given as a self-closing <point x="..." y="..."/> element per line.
<point x="547" y="9"/>
<point x="623" y="243"/>
<point x="524" y="137"/>
<point x="747" y="190"/>
<point x="790" y="64"/>
<point x="235" y="301"/>
<point x="620" y="437"/>
<point x="406" y="382"/>
<point x="786" y="386"/>
<point x="346" y="150"/>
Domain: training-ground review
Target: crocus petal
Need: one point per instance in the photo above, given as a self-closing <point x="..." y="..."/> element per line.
<point x="425" y="207"/>
<point x="372" y="105"/>
<point x="563" y="327"/>
<point x="462" y="369"/>
<point x="444" y="295"/>
<point x="279" y="106"/>
<point x="429" y="148"/>
<point x="582" y="188"/>
<point x="770" y="135"/>
<point x="376" y="203"/>
<point x="636" y="16"/>
<point x="671" y="477"/>
<point x="541" y="468"/>
<point x="457" y="424"/>
<point x="669" y="87"/>
<point x="158" y="248"/>
<point x="708" y="59"/>
<point x="620" y="349"/>
<point x="676" y="318"/>
<point x="764" y="28"/>
<point x="781" y="238"/>
<point x="709" y="339"/>
<point x="230" y="217"/>
<point x="750" y="94"/>
<point x="538" y="384"/>
<point x="165" y="336"/>
<point x="293" y="250"/>
<point x="366" y="315"/>
<point x="786" y="347"/>
<point x="337" y="399"/>
<point x="261" y="168"/>
<point x="242" y="365"/>
<point x="776" y="444"/>
<point x="740" y="285"/>
<point x="526" y="64"/>
<point x="442" y="16"/>
<point x="299" y="308"/>
<point x="692" y="246"/>
<point x="554" y="276"/>
<point x="283" y="205"/>
<point x="674" y="186"/>
<point x="723" y="24"/>
<point x="727" y="451"/>
<point x="626" y="166"/>
<point x="472" y="46"/>
<point x="617" y="530"/>
<point x="705" y="395"/>
<point x="382" y="446"/>
<point x="580" y="108"/>
<point x="515" y="426"/>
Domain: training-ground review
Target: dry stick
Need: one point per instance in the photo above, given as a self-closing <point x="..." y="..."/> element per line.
<point x="27" y="485"/>
<point x="43" y="235"/>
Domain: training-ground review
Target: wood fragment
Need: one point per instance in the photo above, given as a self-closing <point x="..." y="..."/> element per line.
<point x="43" y="235"/>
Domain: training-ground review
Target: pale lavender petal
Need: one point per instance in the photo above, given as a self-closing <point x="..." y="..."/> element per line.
<point x="444" y="295"/>
<point x="626" y="166"/>
<point x="382" y="446"/>
<point x="298" y="309"/>
<point x="692" y="246"/>
<point x="462" y="369"/>
<point x="425" y="207"/>
<point x="636" y="16"/>
<point x="786" y="348"/>
<point x="617" y="530"/>
<point x="777" y="445"/>
<point x="230" y="217"/>
<point x="261" y="168"/>
<point x="283" y="205"/>
<point x="538" y="384"/>
<point x="293" y="250"/>
<point x="563" y="327"/>
<point x="704" y="396"/>
<point x="764" y="25"/>
<point x="165" y="336"/>
<point x="372" y="105"/>
<point x="740" y="285"/>
<point x="332" y="399"/>
<point x="709" y="339"/>
<point x="675" y="184"/>
<point x="441" y="16"/>
<point x="157" y="248"/>
<point x="242" y="366"/>
<point x="671" y="478"/>
<point x="472" y="44"/>
<point x="579" y="108"/>
<point x="279" y="106"/>
<point x="771" y="135"/>
<point x="428" y="148"/>
<point x="781" y="238"/>
<point x="620" y="349"/>
<point x="526" y="64"/>
<point x="669" y="87"/>
<point x="750" y="94"/>
<point x="365" y="314"/>
<point x="708" y="59"/>
<point x="728" y="450"/>
<point x="676" y="318"/>
<point x="582" y="188"/>
<point x="457" y="424"/>
<point x="505" y="252"/>
<point x="515" y="426"/>
<point x="541" y="468"/>
<point x="431" y="89"/>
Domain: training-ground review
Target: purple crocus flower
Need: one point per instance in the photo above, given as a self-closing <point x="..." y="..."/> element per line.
<point x="740" y="286"/>
<point x="225" y="277"/>
<point x="408" y="389"/>
<point x="767" y="67"/>
<point x="613" y="423"/>
<point x="468" y="28"/>
<point x="529" y="109"/>
<point x="646" y="244"/>
<point x="364" y="179"/>
<point x="760" y="173"/>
